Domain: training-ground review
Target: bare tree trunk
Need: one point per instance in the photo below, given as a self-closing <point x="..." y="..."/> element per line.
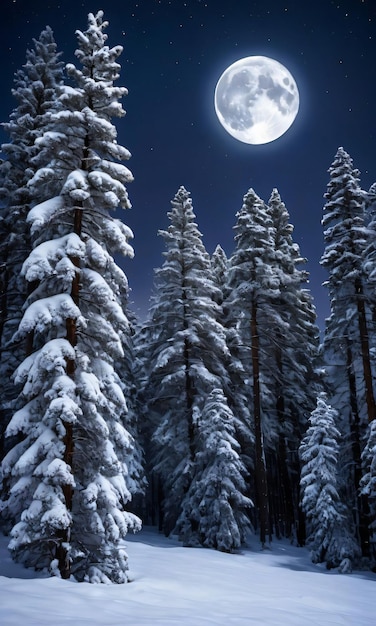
<point x="364" y="344"/>
<point x="260" y="466"/>
<point x="286" y="499"/>
<point x="362" y="506"/>
<point x="287" y="512"/>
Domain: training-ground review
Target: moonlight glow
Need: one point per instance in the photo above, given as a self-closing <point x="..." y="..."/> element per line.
<point x="256" y="100"/>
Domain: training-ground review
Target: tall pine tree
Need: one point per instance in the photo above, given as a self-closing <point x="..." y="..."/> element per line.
<point x="294" y="382"/>
<point x="70" y="470"/>
<point x="271" y="311"/>
<point x="252" y="288"/>
<point x="349" y="329"/>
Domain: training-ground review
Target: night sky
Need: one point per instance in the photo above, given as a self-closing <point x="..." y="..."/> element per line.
<point x="174" y="53"/>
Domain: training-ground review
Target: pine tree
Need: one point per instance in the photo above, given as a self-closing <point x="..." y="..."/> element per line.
<point x="185" y="359"/>
<point x="294" y="382"/>
<point x="70" y="470"/>
<point x="252" y="288"/>
<point x="236" y="390"/>
<point x="35" y="88"/>
<point x="328" y="534"/>
<point x="214" y="509"/>
<point x="349" y="329"/>
<point x="273" y="320"/>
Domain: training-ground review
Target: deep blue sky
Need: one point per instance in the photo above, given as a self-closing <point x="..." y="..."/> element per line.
<point x="174" y="53"/>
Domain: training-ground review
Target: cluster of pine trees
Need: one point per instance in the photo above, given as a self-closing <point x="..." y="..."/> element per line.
<point x="220" y="414"/>
<point x="236" y="339"/>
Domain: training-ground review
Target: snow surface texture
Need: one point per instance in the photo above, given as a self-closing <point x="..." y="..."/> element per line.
<point x="176" y="586"/>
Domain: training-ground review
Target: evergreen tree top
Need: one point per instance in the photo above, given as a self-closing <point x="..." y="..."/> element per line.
<point x="34" y="88"/>
<point x="344" y="196"/>
<point x="345" y="231"/>
<point x="97" y="59"/>
<point x="183" y="231"/>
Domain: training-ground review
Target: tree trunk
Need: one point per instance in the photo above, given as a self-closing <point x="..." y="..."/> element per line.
<point x="287" y="512"/>
<point x="189" y="395"/>
<point x="71" y="330"/>
<point x="260" y="467"/>
<point x="286" y="499"/>
<point x="189" y="386"/>
<point x="362" y="506"/>
<point x="189" y="398"/>
<point x="364" y="344"/>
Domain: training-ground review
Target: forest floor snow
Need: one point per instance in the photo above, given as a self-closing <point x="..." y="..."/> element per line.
<point x="176" y="586"/>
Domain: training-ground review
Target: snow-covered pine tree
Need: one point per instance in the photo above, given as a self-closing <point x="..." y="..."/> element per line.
<point x="272" y="313"/>
<point x="35" y="87"/>
<point x="236" y="391"/>
<point x="328" y="531"/>
<point x="349" y="332"/>
<point x="253" y="288"/>
<point x="185" y="358"/>
<point x="214" y="508"/>
<point x="294" y="384"/>
<point x="70" y="470"/>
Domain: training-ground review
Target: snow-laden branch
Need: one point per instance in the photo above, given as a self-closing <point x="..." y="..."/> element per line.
<point x="51" y="311"/>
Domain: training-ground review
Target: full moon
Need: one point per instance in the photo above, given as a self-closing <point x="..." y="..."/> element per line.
<point x="256" y="100"/>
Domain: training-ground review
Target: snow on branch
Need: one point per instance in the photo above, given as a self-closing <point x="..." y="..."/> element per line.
<point x="103" y="296"/>
<point x="41" y="215"/>
<point x="51" y="311"/>
<point x="76" y="186"/>
<point x="52" y="356"/>
<point x="42" y="261"/>
<point x="113" y="190"/>
<point x="118" y="234"/>
<point x="117" y="170"/>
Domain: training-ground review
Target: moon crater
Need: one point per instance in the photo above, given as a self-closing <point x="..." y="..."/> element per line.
<point x="256" y="100"/>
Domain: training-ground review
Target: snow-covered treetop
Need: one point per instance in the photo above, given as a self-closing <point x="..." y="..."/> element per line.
<point x="78" y="156"/>
<point x="345" y="231"/>
<point x="99" y="65"/>
<point x="42" y="72"/>
<point x="251" y="264"/>
<point x="219" y="264"/>
<point x="344" y="196"/>
<point x="35" y="89"/>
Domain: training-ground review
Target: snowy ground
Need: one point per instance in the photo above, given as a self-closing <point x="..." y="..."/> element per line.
<point x="176" y="586"/>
